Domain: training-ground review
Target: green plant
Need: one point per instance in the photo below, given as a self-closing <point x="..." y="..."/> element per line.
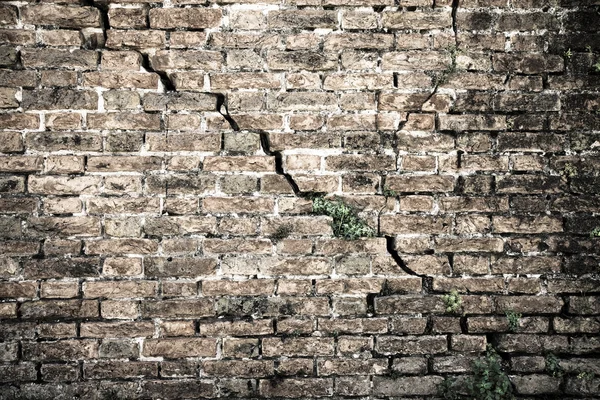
<point x="389" y="193"/>
<point x="596" y="66"/>
<point x="553" y="365"/>
<point x="513" y="320"/>
<point x="453" y="301"/>
<point x="487" y="382"/>
<point x="569" y="170"/>
<point x="595" y="232"/>
<point x="585" y="375"/>
<point x="447" y="389"/>
<point x="451" y="69"/>
<point x="346" y="223"/>
<point x="568" y="54"/>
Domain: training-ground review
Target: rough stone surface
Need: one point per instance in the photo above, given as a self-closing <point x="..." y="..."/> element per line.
<point x="157" y="166"/>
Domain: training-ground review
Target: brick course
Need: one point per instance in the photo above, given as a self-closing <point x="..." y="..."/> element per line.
<point x="158" y="161"/>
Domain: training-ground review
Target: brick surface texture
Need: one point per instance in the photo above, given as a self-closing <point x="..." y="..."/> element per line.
<point x="159" y="160"/>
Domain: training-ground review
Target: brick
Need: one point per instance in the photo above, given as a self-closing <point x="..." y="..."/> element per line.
<point x="117" y="39"/>
<point x="195" y="18"/>
<point x="417" y="20"/>
<point x="61" y="350"/>
<point x="117" y="329"/>
<point x="178" y="308"/>
<point x="62" y="16"/>
<point x="191" y="59"/>
<point x="294" y="388"/>
<point x="311" y="61"/>
<point x="55" y="58"/>
<point x="384" y="386"/>
<point x="180" y="347"/>
<point x="302" y="19"/>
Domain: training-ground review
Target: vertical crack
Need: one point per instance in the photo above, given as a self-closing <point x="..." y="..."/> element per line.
<point x="265" y="144"/>
<point x="454" y="25"/>
<point x="164" y="77"/>
<point x="222" y="105"/>
<point x="390" y="242"/>
<point x="169" y="85"/>
<point x="102" y="7"/>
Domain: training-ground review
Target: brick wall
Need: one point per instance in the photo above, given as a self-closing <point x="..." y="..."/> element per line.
<point x="158" y="168"/>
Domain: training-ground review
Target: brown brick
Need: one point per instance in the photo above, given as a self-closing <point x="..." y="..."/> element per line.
<point x="177" y="348"/>
<point x="169" y="18"/>
<point x="63" y="16"/>
<point x="61" y="350"/>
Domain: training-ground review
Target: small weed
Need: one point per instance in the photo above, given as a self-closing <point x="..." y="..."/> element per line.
<point x="513" y="320"/>
<point x="569" y="170"/>
<point x="585" y="376"/>
<point x="596" y="66"/>
<point x="282" y="232"/>
<point x="588" y="48"/>
<point x="451" y="69"/>
<point x="595" y="232"/>
<point x="553" y="365"/>
<point x="453" y="301"/>
<point x="568" y="54"/>
<point x="346" y="223"/>
<point x="389" y="193"/>
<point x="510" y="124"/>
<point x="488" y="381"/>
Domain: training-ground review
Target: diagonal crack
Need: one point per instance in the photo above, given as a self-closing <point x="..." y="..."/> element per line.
<point x="390" y="240"/>
<point x="266" y="146"/>
<point x="102" y="7"/>
<point x="169" y="85"/>
<point x="164" y="77"/>
<point x="222" y="105"/>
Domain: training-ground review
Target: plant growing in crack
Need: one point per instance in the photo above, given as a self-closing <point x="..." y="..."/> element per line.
<point x="568" y="54"/>
<point x="389" y="192"/>
<point x="488" y="381"/>
<point x="453" y="301"/>
<point x="553" y="365"/>
<point x="346" y="223"/>
<point x="451" y="69"/>
<point x="595" y="232"/>
<point x="569" y="170"/>
<point x="513" y="320"/>
<point x="585" y="375"/>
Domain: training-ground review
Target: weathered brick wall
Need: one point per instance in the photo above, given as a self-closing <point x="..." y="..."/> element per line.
<point x="160" y="159"/>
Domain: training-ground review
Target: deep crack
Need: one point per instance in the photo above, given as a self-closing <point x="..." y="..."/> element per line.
<point x="454" y="25"/>
<point x="265" y="144"/>
<point x="103" y="9"/>
<point x="222" y="105"/>
<point x="164" y="77"/>
<point x="390" y="243"/>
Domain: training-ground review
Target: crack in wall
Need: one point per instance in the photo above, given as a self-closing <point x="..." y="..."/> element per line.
<point x="265" y="144"/>
<point x="222" y="108"/>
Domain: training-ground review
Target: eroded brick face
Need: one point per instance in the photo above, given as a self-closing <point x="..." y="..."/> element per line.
<point x="157" y="162"/>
